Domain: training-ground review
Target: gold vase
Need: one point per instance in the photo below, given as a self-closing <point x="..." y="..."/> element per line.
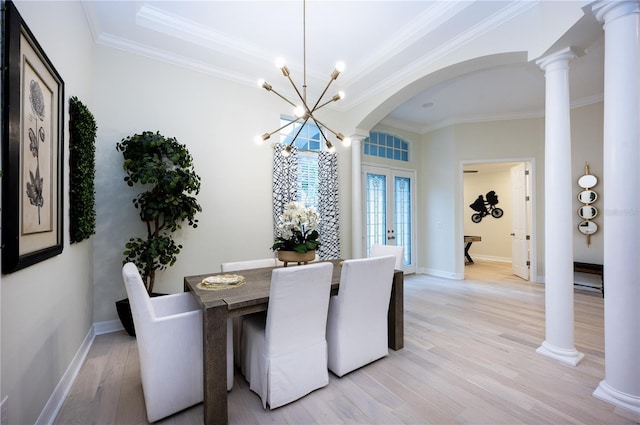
<point x="296" y="257"/>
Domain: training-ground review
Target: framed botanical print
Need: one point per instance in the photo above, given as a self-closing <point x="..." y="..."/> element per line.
<point x="32" y="149"/>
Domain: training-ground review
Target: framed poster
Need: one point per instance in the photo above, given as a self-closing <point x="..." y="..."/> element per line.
<point x="32" y="143"/>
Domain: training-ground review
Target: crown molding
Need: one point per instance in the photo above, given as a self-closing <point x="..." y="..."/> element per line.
<point x="126" y="45"/>
<point x="474" y="32"/>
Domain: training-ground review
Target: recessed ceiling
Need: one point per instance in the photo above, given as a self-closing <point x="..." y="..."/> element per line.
<point x="378" y="40"/>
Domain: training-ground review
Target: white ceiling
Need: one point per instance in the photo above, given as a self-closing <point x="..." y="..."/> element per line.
<point x="379" y="41"/>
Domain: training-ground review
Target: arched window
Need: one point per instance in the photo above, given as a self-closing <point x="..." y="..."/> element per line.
<point x="309" y="143"/>
<point x="386" y="146"/>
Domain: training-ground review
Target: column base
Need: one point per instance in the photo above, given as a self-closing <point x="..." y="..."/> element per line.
<point x="571" y="357"/>
<point x="606" y="392"/>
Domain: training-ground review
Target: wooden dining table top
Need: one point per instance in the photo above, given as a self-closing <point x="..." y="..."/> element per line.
<point x="253" y="295"/>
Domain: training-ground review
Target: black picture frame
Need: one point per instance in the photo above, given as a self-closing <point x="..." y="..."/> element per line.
<point x="32" y="149"/>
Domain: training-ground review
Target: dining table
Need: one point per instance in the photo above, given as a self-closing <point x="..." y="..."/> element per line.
<point x="468" y="240"/>
<point x="250" y="297"/>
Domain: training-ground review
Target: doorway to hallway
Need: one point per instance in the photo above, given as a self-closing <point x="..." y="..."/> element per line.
<point x="504" y="238"/>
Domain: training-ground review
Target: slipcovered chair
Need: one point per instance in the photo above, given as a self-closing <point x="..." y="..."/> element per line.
<point x="169" y="338"/>
<point x="235" y="323"/>
<point x="247" y="264"/>
<point x="285" y="351"/>
<point x="357" y="323"/>
<point x="383" y="250"/>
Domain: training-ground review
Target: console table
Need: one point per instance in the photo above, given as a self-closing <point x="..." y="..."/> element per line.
<point x="582" y="272"/>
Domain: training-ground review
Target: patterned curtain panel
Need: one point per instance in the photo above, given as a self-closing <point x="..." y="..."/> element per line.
<point x="285" y="170"/>
<point x="329" y="226"/>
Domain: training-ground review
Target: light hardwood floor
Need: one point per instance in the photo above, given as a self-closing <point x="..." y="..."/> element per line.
<point x="469" y="358"/>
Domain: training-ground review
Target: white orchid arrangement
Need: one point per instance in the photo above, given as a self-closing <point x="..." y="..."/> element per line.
<point x="297" y="229"/>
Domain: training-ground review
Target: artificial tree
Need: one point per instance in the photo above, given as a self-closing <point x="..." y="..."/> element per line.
<point x="164" y="167"/>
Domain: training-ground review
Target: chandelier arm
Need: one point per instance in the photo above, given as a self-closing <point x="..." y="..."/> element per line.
<point x="299" y="130"/>
<point x="283" y="127"/>
<point x="315" y="107"/>
<point x="325" y="126"/>
<point x="304" y="101"/>
<point x="284" y="98"/>
<point x="320" y="125"/>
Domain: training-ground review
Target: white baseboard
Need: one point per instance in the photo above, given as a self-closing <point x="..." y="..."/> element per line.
<point x="107" y="327"/>
<point x="439" y="273"/>
<point x="51" y="409"/>
<point x="492" y="258"/>
<point x="60" y="393"/>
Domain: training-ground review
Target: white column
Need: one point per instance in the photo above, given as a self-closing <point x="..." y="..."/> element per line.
<point x="621" y="195"/>
<point x="356" y="197"/>
<point x="558" y="189"/>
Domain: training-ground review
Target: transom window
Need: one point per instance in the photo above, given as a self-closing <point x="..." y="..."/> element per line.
<point x="386" y="146"/>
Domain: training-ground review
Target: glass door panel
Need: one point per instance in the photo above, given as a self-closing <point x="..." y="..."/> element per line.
<point x="376" y="209"/>
<point x="402" y="196"/>
<point x="388" y="197"/>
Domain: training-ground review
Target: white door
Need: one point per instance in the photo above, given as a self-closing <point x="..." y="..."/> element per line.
<point x="520" y="242"/>
<point x="389" y="210"/>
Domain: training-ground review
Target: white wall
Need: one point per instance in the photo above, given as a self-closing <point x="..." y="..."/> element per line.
<point x="495" y="232"/>
<point x="47" y="308"/>
<point x="218" y="121"/>
<point x="437" y="204"/>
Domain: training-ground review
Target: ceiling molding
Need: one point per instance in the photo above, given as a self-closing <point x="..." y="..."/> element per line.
<point x="414" y="31"/>
<point x="413" y="71"/>
<point x="417" y="128"/>
<point x="156" y="19"/>
<point x="129" y="46"/>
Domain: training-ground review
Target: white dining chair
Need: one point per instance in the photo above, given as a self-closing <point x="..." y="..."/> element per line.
<point x="235" y="323"/>
<point x="169" y="339"/>
<point x="285" y="351"/>
<point x="247" y="264"/>
<point x="357" y="327"/>
<point x="378" y="250"/>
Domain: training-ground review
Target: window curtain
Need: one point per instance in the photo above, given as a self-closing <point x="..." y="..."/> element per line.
<point x="329" y="225"/>
<point x="285" y="183"/>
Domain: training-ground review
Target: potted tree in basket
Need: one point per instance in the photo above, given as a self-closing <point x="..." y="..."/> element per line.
<point x="165" y="168"/>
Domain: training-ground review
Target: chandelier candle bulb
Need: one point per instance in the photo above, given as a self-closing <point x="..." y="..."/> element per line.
<point x="299" y="112"/>
<point x="264" y="85"/>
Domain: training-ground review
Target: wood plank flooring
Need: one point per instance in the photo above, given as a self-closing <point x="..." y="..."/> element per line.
<point x="469" y="358"/>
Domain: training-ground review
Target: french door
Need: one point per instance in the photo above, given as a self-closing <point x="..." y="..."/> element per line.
<point x="389" y="197"/>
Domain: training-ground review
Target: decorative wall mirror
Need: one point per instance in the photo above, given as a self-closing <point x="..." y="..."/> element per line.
<point x="587" y="196"/>
<point x="587" y="212"/>
<point x="587" y="181"/>
<point x="587" y="227"/>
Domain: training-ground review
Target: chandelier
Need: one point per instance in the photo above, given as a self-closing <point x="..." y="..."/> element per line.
<point x="303" y="112"/>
